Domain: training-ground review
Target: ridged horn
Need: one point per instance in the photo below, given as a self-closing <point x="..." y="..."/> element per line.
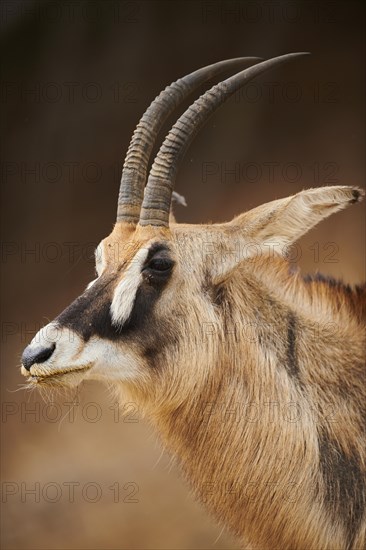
<point x="134" y="173"/>
<point x="157" y="198"/>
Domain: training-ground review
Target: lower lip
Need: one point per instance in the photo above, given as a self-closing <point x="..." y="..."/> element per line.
<point x="57" y="375"/>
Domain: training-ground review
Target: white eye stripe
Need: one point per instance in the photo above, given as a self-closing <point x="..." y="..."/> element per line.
<point x="125" y="293"/>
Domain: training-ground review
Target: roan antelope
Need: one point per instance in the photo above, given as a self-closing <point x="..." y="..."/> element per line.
<point x="160" y="323"/>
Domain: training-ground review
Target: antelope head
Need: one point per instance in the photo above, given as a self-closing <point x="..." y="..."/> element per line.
<point x="141" y="322"/>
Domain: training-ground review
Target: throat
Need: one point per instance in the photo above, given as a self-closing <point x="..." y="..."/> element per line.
<point x="222" y="444"/>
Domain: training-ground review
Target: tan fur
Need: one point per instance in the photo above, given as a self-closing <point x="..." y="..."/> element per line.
<point x="254" y="377"/>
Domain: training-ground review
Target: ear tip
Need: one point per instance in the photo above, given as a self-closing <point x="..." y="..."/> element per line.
<point x="357" y="194"/>
<point x="179" y="199"/>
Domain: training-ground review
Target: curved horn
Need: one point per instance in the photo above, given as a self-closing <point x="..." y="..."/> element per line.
<point x="158" y="191"/>
<point x="134" y="173"/>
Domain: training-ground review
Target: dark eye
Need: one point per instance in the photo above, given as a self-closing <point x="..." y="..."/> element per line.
<point x="160" y="264"/>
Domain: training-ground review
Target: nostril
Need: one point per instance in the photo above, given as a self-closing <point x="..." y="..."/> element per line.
<point x="38" y="354"/>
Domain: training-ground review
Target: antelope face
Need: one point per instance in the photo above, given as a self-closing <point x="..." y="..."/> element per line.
<point x="137" y="319"/>
<point x="144" y="313"/>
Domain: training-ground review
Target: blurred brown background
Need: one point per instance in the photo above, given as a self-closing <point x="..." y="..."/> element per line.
<point x="77" y="76"/>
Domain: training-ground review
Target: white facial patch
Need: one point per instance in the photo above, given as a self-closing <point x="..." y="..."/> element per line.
<point x="99" y="259"/>
<point x="99" y="263"/>
<point x="74" y="360"/>
<point x="125" y="293"/>
<point x="89" y="285"/>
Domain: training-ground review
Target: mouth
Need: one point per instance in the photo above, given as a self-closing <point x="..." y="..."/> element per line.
<point x="54" y="376"/>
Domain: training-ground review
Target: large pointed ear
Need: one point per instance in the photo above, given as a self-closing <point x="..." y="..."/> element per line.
<point x="283" y="221"/>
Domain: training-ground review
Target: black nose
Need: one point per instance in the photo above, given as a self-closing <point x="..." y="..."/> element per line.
<point x="38" y="354"/>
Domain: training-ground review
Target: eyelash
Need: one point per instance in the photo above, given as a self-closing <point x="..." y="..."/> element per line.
<point x="160" y="264"/>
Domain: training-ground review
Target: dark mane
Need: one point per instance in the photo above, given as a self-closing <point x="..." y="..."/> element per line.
<point x="353" y="296"/>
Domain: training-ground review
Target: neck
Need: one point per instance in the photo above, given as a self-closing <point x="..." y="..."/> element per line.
<point x="266" y="440"/>
<point x="249" y="458"/>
